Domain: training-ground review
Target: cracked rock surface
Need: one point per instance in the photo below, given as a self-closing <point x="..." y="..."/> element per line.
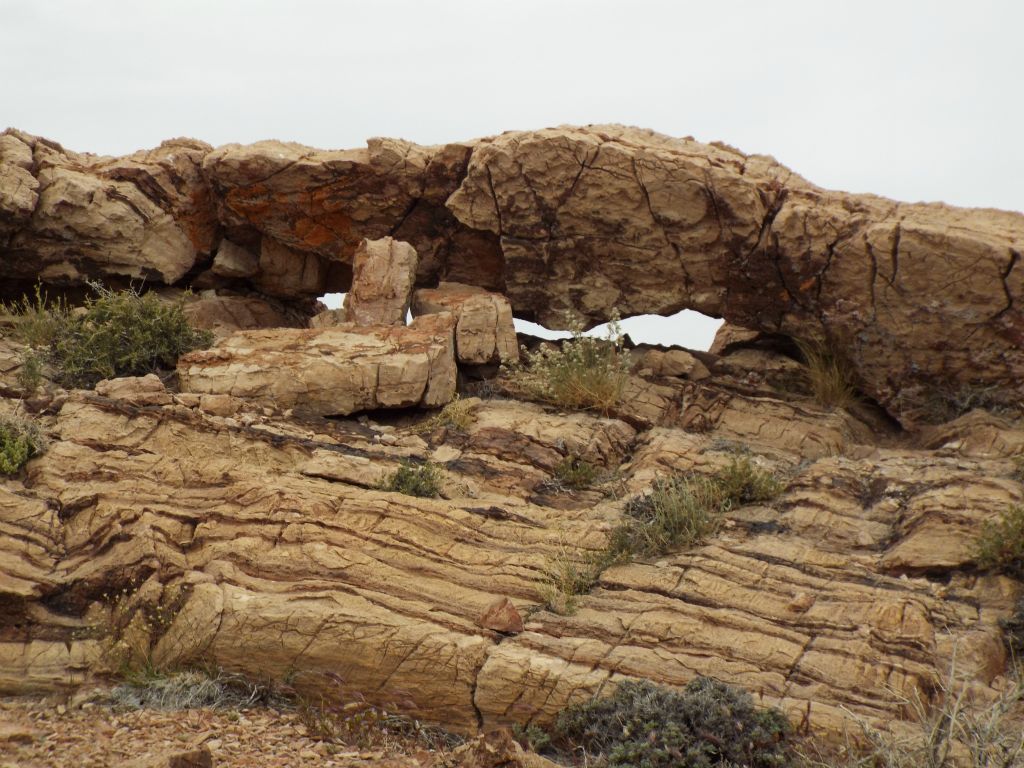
<point x="185" y="526"/>
<point x="922" y="298"/>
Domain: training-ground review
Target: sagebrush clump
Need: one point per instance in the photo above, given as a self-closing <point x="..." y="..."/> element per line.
<point x="583" y="373"/>
<point x="424" y="480"/>
<point x="1000" y="547"/>
<point x="20" y="440"/>
<point x="115" y="333"/>
<point x="706" y="725"/>
<point x="681" y="511"/>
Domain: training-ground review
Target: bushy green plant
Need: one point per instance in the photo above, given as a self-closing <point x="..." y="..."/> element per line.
<point x="424" y="480"/>
<point x="706" y="725"/>
<point x="1000" y="547"/>
<point x="20" y="440"/>
<point x="582" y="373"/>
<point x="576" y="473"/>
<point x="116" y="333"/>
<point x="830" y="375"/>
<point x="681" y="511"/>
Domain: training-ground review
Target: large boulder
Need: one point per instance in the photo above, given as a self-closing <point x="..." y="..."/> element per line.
<point x="484" y="330"/>
<point x="331" y="371"/>
<point x="383" y="273"/>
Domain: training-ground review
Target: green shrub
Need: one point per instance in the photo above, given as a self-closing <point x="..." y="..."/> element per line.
<point x="424" y="480"/>
<point x="1000" y="547"/>
<point x="583" y="373"/>
<point x="30" y="375"/>
<point x="681" y="511"/>
<point x="707" y="725"/>
<point x="20" y="440"/>
<point x="116" y="333"/>
<point x="576" y="473"/>
<point x="830" y="375"/>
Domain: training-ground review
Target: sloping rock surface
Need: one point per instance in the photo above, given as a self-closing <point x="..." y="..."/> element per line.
<point x="172" y="528"/>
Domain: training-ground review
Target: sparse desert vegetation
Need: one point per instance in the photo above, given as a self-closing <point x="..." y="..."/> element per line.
<point x="21" y="438"/>
<point x="115" y="333"/>
<point x="582" y="372"/>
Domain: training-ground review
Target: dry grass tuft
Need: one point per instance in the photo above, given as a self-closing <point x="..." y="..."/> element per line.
<point x="830" y="375"/>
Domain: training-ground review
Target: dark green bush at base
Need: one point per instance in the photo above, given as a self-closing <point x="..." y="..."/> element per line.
<point x="117" y="333"/>
<point x="423" y="481"/>
<point x="20" y="440"/>
<point x="707" y="725"/>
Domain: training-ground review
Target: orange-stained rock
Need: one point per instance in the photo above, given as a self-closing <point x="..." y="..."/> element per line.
<point x="484" y="331"/>
<point x="383" y="273"/>
<point x="502" y="616"/>
<point x="922" y="298"/>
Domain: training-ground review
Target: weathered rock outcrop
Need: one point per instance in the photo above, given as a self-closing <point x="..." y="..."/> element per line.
<point x="383" y="273"/>
<point x="923" y="298"/>
<point x="184" y="526"/>
<point x="331" y="371"/>
<point x="484" y="329"/>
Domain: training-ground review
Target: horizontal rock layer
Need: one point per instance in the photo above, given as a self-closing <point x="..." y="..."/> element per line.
<point x="922" y="298"/>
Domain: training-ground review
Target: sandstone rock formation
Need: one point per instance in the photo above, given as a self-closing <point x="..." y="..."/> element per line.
<point x="383" y="273"/>
<point x="237" y="516"/>
<point x="923" y="298"/>
<point x="484" y="330"/>
<point x="335" y="370"/>
<point x="266" y="548"/>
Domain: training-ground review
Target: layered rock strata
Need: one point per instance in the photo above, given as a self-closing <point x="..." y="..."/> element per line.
<point x="922" y="298"/>
<point x="176" y="527"/>
<point x="484" y="329"/>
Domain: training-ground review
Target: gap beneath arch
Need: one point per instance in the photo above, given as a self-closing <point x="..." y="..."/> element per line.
<point x="687" y="328"/>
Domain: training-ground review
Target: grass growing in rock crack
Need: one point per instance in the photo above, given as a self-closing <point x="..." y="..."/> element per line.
<point x="20" y="440"/>
<point x="570" y="574"/>
<point x="116" y="333"/>
<point x="949" y="728"/>
<point x="830" y="375"/>
<point x="1000" y="546"/>
<point x="456" y="416"/>
<point x="583" y="373"/>
<point x="679" y="512"/>
<point x="424" y="480"/>
<point x="682" y="511"/>
<point x="575" y="473"/>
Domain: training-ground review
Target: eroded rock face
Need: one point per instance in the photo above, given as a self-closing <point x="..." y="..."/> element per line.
<point x="484" y="330"/>
<point x="383" y="273"/>
<point x="336" y="370"/>
<point x="923" y="299"/>
<point x="273" y="553"/>
<point x="69" y="216"/>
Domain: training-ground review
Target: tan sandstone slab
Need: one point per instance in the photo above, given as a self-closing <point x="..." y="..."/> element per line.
<point x="331" y="371"/>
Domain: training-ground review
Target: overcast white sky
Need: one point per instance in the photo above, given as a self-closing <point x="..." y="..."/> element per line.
<point x="912" y="99"/>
